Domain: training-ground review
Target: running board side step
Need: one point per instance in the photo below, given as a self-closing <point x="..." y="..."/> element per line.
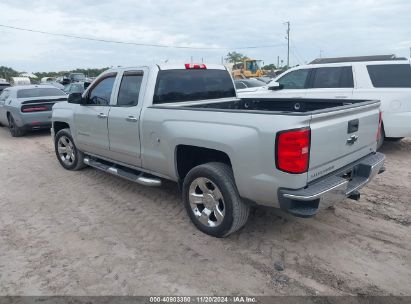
<point x="137" y="177"/>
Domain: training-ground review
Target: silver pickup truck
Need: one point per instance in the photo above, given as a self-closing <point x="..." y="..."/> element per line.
<point x="185" y="123"/>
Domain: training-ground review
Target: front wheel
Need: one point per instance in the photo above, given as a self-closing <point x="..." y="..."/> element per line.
<point x="66" y="151"/>
<point x="212" y="200"/>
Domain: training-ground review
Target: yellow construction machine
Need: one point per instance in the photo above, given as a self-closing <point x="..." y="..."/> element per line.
<point x="248" y="68"/>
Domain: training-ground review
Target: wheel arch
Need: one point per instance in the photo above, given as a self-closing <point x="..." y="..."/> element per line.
<point x="60" y="125"/>
<point x="11" y="112"/>
<point x="190" y="156"/>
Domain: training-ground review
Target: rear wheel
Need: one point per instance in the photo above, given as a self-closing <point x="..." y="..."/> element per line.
<point x="66" y="151"/>
<point x="15" y="131"/>
<point x="212" y="201"/>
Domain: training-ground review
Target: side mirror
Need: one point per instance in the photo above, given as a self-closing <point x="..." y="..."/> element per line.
<point x="75" y="98"/>
<point x="275" y="86"/>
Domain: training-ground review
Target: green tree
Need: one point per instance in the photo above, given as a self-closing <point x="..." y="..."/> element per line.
<point x="234" y="57"/>
<point x="269" y="67"/>
<point x="7" y="73"/>
<point x="87" y="72"/>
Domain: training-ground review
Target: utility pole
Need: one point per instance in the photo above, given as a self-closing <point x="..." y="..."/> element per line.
<point x="321" y="53"/>
<point x="278" y="62"/>
<point x="288" y="43"/>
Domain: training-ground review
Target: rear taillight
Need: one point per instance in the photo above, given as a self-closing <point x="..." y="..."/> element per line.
<point x="33" y="109"/>
<point x="195" y="66"/>
<point x="379" y="126"/>
<point x="293" y="150"/>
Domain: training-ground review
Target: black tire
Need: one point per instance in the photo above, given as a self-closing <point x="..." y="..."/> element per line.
<point x="15" y="131"/>
<point x="236" y="211"/>
<point x="78" y="161"/>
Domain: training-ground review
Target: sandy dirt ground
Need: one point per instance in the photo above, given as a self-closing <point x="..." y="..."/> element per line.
<point x="90" y="233"/>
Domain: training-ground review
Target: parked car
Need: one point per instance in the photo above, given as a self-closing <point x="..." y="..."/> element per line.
<point x="3" y="85"/>
<point x="76" y="87"/>
<point x="63" y="80"/>
<point x="57" y="85"/>
<point x="75" y="77"/>
<point x="249" y="85"/>
<point x="26" y="108"/>
<point x="184" y="123"/>
<point x="264" y="79"/>
<point x="47" y="79"/>
<point x="60" y="79"/>
<point x="384" y="78"/>
<point x="51" y="81"/>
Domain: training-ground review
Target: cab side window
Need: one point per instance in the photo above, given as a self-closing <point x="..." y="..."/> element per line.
<point x="101" y="93"/>
<point x="333" y="77"/>
<point x="130" y="89"/>
<point x="295" y="79"/>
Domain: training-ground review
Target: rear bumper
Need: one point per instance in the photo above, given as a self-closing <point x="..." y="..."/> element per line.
<point x="332" y="189"/>
<point x="34" y="121"/>
<point x="37" y="126"/>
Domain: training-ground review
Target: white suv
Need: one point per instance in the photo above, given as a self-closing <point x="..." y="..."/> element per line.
<point x="385" y="78"/>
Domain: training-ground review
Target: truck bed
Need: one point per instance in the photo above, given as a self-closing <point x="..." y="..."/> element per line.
<point x="294" y="106"/>
<point x="342" y="131"/>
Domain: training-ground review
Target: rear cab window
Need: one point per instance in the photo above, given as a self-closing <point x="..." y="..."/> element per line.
<point x="39" y="92"/>
<point x="192" y="84"/>
<point x="390" y="75"/>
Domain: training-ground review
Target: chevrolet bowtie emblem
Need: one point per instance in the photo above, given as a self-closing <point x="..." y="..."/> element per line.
<point x="352" y="139"/>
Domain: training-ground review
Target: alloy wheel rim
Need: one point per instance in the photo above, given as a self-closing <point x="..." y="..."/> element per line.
<point x="65" y="149"/>
<point x="206" y="202"/>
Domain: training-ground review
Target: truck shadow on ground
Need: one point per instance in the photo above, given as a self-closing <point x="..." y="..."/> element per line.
<point x="395" y="147"/>
<point x="38" y="133"/>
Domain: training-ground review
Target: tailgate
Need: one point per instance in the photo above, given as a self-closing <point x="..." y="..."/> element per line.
<point x="341" y="137"/>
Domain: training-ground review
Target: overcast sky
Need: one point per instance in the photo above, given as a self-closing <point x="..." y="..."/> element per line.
<point x="334" y="28"/>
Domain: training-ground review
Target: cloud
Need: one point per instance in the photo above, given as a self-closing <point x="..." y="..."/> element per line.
<point x="337" y="28"/>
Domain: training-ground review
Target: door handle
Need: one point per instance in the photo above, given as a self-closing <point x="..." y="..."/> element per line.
<point x="132" y="119"/>
<point x="102" y="115"/>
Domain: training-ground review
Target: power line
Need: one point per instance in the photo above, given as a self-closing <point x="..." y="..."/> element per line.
<point x="136" y="43"/>
<point x="295" y="56"/>
<point x="297" y="52"/>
